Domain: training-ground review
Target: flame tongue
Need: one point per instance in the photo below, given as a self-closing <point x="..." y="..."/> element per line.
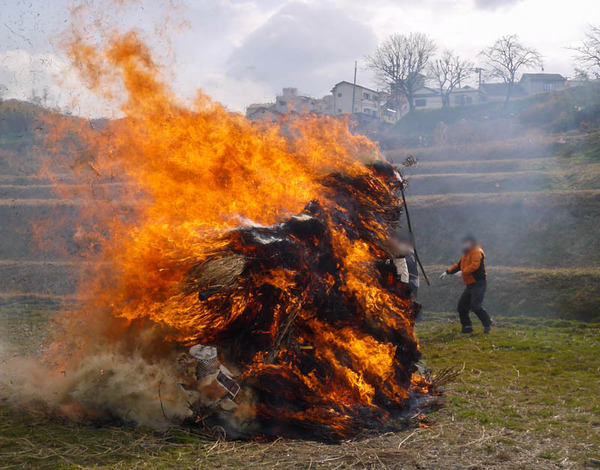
<point x="305" y="305"/>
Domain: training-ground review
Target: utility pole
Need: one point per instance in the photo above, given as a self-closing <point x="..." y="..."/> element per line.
<point x="479" y="70"/>
<point x="354" y="86"/>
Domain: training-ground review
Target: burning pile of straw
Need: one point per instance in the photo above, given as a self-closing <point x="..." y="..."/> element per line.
<point x="317" y="356"/>
<point x="241" y="270"/>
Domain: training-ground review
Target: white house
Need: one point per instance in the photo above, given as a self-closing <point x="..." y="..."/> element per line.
<point x="430" y="98"/>
<point x="366" y="101"/>
<point x="464" y="95"/>
<point x="391" y="113"/>
<point x="427" y="98"/>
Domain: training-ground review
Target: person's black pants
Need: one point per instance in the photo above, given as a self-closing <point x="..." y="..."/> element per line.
<point x="472" y="299"/>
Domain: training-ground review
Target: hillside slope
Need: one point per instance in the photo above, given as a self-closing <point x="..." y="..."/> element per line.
<point x="530" y="193"/>
<point x="533" y="198"/>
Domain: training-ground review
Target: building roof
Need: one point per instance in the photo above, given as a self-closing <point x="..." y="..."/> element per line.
<point x="425" y="91"/>
<point x="544" y="76"/>
<point x="465" y="88"/>
<point x="352" y="84"/>
<point x="501" y="89"/>
<point x="259" y="105"/>
<point x="255" y="110"/>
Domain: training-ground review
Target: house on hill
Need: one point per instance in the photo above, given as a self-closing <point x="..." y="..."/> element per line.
<point x="464" y="95"/>
<point x="262" y="112"/>
<point x="391" y="111"/>
<point x="534" y="83"/>
<point x="530" y="84"/>
<point x="371" y="105"/>
<point x="499" y="91"/>
<point x="355" y="99"/>
<point x="427" y="98"/>
<point x="289" y="101"/>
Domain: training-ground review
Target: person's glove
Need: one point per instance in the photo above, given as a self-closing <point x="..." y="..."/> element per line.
<point x="458" y="274"/>
<point x="443" y="275"/>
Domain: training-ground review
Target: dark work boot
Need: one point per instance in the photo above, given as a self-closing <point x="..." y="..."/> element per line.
<point x="466" y="329"/>
<point x="485" y="319"/>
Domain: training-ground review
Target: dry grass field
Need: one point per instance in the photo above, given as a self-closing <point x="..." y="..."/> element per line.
<point x="527" y="396"/>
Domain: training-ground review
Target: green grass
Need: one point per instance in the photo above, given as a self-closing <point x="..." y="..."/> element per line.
<point x="528" y="374"/>
<point x="528" y="396"/>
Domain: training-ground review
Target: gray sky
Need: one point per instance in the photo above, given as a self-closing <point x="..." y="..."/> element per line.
<point x="245" y="51"/>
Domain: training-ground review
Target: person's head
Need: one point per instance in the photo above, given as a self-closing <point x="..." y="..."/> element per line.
<point x="467" y="242"/>
<point x="402" y="244"/>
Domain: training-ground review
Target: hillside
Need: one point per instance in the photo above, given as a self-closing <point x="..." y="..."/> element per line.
<point x="554" y="112"/>
<point x="526" y="180"/>
<point x="530" y="192"/>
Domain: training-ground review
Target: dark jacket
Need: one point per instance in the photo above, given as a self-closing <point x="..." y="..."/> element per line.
<point x="413" y="272"/>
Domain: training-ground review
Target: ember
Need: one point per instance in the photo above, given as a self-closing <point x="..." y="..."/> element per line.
<point x="263" y="247"/>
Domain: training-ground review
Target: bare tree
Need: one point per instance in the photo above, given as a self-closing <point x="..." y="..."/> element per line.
<point x="581" y="74"/>
<point x="35" y="98"/>
<point x="45" y="96"/>
<point x="588" y="52"/>
<point x="400" y="63"/>
<point x="448" y="72"/>
<point x="507" y="57"/>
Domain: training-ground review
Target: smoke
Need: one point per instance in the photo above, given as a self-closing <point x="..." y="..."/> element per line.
<point x="513" y="176"/>
<point x="102" y="386"/>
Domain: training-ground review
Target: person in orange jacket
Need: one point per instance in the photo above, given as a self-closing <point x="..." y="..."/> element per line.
<point x="472" y="267"/>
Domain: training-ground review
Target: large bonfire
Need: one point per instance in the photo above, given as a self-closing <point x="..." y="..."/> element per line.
<point x="262" y="247"/>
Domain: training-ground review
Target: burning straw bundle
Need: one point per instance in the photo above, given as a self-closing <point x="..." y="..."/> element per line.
<point x="298" y="325"/>
<point x="310" y="314"/>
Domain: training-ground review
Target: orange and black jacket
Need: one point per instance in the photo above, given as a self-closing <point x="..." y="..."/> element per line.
<point x="472" y="266"/>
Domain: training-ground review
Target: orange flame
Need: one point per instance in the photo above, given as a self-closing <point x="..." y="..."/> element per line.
<point x="182" y="178"/>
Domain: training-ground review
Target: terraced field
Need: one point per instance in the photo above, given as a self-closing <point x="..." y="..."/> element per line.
<point x="538" y="217"/>
<point x="533" y="199"/>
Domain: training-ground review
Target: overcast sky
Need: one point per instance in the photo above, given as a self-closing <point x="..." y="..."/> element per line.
<point x="245" y="51"/>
